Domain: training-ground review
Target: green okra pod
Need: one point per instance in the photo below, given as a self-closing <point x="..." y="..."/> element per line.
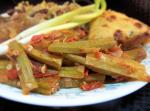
<point x="111" y="65"/>
<point x="84" y="46"/>
<point x="48" y="59"/>
<point x="72" y="72"/>
<point x="27" y="80"/>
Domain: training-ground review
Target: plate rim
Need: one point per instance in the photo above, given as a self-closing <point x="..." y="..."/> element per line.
<point x="83" y="103"/>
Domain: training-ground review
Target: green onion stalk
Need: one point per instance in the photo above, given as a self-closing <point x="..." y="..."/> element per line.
<point x="68" y="20"/>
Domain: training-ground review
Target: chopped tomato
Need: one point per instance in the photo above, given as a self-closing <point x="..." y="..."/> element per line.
<point x="36" y="68"/>
<point x="116" y="54"/>
<point x="98" y="55"/>
<point x="81" y="32"/>
<point x="115" y="48"/>
<point x="72" y="39"/>
<point x="54" y="35"/>
<point x="116" y="51"/>
<point x="40" y="75"/>
<point x="86" y="72"/>
<point x="91" y="86"/>
<point x="37" y="38"/>
<point x="12" y="74"/>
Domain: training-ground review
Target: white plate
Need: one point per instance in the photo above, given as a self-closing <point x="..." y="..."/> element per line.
<point x="74" y="96"/>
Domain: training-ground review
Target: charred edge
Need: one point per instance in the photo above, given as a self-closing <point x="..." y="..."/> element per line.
<point x="136" y="41"/>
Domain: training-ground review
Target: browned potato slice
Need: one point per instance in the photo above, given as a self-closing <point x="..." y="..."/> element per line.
<point x="127" y="31"/>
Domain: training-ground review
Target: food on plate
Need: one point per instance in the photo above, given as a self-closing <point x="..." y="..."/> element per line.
<point x="46" y="58"/>
<point x="84" y="46"/>
<point x="137" y="54"/>
<point x="25" y="15"/>
<point x="125" y="30"/>
<point x="111" y="65"/>
<point x="23" y="66"/>
<point x="72" y="46"/>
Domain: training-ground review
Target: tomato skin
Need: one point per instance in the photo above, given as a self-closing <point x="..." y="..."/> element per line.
<point x="37" y="38"/>
<point x="40" y="75"/>
<point x="86" y="72"/>
<point x="72" y="39"/>
<point x="91" y="86"/>
<point x="12" y="74"/>
<point x="81" y="32"/>
<point x="98" y="55"/>
<point x="115" y="51"/>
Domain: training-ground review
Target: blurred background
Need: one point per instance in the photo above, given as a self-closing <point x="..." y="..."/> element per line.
<point x="139" y="9"/>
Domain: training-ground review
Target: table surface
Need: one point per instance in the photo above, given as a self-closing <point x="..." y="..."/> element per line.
<point x="137" y="101"/>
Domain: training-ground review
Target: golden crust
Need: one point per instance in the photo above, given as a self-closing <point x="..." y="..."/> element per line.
<point x="127" y="31"/>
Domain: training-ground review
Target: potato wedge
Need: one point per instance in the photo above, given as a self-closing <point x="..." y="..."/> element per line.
<point x="127" y="31"/>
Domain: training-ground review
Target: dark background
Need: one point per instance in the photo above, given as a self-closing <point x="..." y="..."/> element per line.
<point x="139" y="9"/>
<point x="137" y="101"/>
